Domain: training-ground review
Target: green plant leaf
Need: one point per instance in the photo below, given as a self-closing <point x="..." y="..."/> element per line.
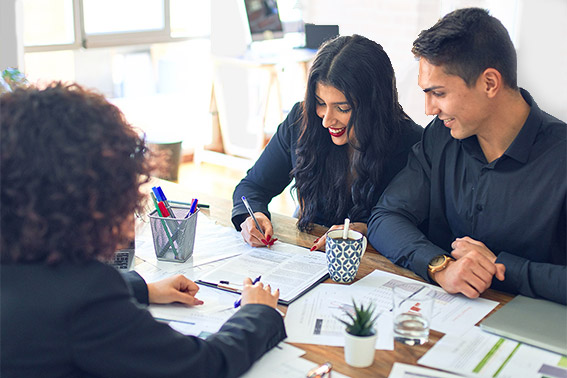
<point x="363" y="320"/>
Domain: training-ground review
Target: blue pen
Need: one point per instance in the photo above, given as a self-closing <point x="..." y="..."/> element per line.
<point x="164" y="200"/>
<point x="237" y="302"/>
<point x="193" y="206"/>
<point x="157" y="194"/>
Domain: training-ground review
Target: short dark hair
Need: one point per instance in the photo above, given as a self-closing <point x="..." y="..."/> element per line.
<point x="70" y="169"/>
<point x="466" y="42"/>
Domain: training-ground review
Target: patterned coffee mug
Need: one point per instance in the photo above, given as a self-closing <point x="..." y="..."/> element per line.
<point x="344" y="255"/>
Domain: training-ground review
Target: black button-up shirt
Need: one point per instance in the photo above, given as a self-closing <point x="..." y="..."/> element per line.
<point x="515" y="205"/>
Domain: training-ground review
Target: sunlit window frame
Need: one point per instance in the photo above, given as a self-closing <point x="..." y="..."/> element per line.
<point x="82" y="40"/>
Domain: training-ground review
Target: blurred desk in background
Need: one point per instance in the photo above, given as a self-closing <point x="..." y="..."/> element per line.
<point x="249" y="98"/>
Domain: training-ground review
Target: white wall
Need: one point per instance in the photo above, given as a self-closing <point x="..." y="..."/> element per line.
<point x="539" y="34"/>
<point x="11" y="32"/>
<point x="542" y="54"/>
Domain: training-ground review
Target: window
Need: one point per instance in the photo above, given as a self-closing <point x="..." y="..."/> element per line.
<point x="149" y="16"/>
<point x="51" y="25"/>
<point x="149" y="57"/>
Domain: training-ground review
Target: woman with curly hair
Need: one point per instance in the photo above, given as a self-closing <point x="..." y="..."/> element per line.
<point x="71" y="169"/>
<point x="342" y="144"/>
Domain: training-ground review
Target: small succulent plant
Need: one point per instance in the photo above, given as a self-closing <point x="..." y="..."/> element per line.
<point x="362" y="322"/>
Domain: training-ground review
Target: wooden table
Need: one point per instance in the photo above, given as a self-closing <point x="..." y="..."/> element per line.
<point x="285" y="230"/>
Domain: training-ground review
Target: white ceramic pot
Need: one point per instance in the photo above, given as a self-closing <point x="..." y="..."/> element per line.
<point x="359" y="350"/>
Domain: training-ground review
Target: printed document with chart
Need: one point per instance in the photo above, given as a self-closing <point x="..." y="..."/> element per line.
<point x="313" y="318"/>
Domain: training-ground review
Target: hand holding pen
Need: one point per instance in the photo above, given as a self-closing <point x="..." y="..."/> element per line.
<point x="256" y="292"/>
<point x="257" y="229"/>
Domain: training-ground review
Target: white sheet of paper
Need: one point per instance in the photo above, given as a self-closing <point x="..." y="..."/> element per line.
<point x="452" y="314"/>
<point x="283" y="361"/>
<point x="400" y="370"/>
<point x="312" y="319"/>
<point x="269" y="362"/>
<point x="482" y="354"/>
<point x="198" y="320"/>
<point x="287" y="267"/>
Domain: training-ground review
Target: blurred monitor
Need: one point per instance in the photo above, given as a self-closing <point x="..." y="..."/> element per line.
<point x="315" y="35"/>
<point x="263" y="19"/>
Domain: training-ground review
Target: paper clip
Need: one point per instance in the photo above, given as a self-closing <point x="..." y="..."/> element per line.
<point x="323" y="371"/>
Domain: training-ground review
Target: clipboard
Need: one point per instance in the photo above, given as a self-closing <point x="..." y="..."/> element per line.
<point x="285" y="302"/>
<point x="292" y="269"/>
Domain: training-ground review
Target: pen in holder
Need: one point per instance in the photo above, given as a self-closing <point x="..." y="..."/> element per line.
<point x="174" y="236"/>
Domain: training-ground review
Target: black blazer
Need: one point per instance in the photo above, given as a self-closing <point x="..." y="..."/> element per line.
<point x="81" y="321"/>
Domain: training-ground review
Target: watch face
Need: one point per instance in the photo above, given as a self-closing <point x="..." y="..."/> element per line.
<point x="437" y="260"/>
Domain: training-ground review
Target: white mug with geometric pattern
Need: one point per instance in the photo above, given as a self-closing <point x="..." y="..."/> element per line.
<point x="344" y="255"/>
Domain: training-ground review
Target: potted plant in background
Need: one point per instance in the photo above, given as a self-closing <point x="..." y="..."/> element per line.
<point x="10" y="79"/>
<point x="360" y="335"/>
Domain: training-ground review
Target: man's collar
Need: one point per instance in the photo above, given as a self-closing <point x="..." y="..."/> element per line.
<point x="522" y="145"/>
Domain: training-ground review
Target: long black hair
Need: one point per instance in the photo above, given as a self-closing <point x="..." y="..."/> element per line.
<point x="329" y="180"/>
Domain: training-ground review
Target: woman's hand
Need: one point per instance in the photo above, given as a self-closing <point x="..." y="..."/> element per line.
<point x="258" y="293"/>
<point x="252" y="235"/>
<point x="319" y="243"/>
<point x="174" y="289"/>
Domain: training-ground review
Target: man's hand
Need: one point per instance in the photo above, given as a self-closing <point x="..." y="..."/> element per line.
<point x="472" y="272"/>
<point x="252" y="235"/>
<point x="319" y="243"/>
<point x="174" y="289"/>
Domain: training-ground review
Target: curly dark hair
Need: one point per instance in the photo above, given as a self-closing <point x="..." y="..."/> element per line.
<point x="325" y="173"/>
<point x="71" y="170"/>
<point x="466" y="42"/>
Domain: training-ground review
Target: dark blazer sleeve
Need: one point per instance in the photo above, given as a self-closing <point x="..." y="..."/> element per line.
<point x="113" y="337"/>
<point x="137" y="285"/>
<point x="271" y="173"/>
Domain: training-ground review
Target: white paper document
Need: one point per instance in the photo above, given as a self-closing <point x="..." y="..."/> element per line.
<point x="199" y="320"/>
<point x="313" y="318"/>
<point x="411" y="371"/>
<point x="283" y="361"/>
<point x="287" y="267"/>
<point x="452" y="313"/>
<point x="482" y="354"/>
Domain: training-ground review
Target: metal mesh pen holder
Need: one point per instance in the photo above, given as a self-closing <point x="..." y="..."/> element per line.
<point x="174" y="237"/>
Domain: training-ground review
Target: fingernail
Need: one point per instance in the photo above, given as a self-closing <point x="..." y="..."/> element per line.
<point x="316" y="240"/>
<point x="268" y="238"/>
<point x="273" y="241"/>
<point x="313" y="248"/>
<point x="265" y="242"/>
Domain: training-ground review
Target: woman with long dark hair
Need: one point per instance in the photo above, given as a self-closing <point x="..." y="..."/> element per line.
<point x="342" y="144"/>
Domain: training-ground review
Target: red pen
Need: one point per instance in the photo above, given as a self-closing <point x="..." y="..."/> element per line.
<point x="163" y="209"/>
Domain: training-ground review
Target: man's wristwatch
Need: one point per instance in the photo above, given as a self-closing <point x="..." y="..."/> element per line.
<point x="438" y="263"/>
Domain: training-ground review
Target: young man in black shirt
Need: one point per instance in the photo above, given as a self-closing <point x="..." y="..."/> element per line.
<point x="482" y="201"/>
